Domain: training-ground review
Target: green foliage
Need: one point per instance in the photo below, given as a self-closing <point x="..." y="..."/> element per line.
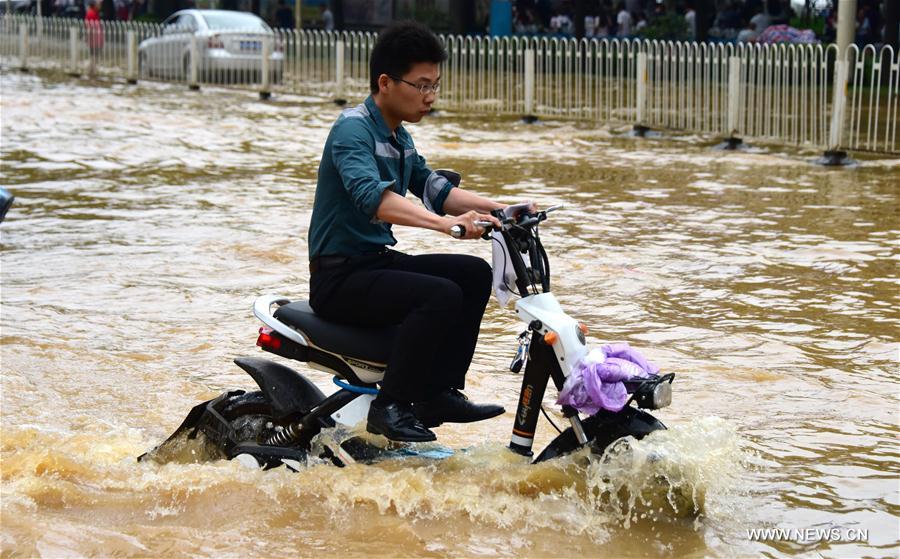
<point x="671" y="27"/>
<point x="432" y="16"/>
<point x="816" y="24"/>
<point x="148" y="18"/>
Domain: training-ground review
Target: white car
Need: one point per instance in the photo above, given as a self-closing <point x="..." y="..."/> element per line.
<point x="229" y="47"/>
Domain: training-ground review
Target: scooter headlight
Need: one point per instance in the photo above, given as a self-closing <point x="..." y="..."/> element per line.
<point x="655" y="395"/>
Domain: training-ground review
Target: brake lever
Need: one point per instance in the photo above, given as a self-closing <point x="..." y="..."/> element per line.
<point x="488" y="228"/>
<point x="542" y="215"/>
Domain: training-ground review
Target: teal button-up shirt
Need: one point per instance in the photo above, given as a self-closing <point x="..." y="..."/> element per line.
<point x="362" y="158"/>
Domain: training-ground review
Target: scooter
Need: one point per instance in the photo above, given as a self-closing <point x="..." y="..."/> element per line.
<point x="6" y="200"/>
<point x="278" y="424"/>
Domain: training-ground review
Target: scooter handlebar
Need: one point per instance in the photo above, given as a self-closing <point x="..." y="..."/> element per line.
<point x="524" y="220"/>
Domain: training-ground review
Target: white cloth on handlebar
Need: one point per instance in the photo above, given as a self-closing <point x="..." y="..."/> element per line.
<point x="504" y="273"/>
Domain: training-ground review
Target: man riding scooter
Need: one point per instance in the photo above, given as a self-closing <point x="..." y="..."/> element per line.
<point x="436" y="300"/>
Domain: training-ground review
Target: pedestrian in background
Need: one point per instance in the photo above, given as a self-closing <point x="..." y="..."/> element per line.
<point x="93" y="34"/>
<point x="641" y="22"/>
<point x="748" y="34"/>
<point x="327" y="18"/>
<point x="690" y="17"/>
<point x="123" y="10"/>
<point x="760" y="22"/>
<point x="284" y="16"/>
<point x="591" y="22"/>
<point x="623" y="21"/>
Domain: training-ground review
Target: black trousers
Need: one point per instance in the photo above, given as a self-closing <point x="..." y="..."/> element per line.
<point x="436" y="300"/>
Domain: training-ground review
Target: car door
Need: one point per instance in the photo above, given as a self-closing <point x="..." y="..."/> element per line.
<point x="187" y="26"/>
<point x="151" y="50"/>
<point x="163" y="47"/>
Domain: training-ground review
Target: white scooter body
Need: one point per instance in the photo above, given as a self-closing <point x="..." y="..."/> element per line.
<point x="569" y="346"/>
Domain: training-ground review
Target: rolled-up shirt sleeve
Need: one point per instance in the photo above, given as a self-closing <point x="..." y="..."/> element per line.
<point x="432" y="187"/>
<point x="353" y="155"/>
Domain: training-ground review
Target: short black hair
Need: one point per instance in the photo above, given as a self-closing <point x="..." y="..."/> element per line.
<point x="399" y="47"/>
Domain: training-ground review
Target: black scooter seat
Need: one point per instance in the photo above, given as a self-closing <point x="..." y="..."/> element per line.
<point x="367" y="344"/>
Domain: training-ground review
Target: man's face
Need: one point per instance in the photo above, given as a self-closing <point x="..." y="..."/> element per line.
<point x="406" y="101"/>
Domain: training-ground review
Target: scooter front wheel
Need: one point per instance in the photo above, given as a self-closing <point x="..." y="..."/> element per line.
<point x="603" y="429"/>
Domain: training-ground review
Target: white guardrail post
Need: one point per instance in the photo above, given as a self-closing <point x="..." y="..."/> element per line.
<point x="132" y="44"/>
<point x="834" y="156"/>
<point x="643" y="76"/>
<point x="339" y="98"/>
<point x="193" y="82"/>
<point x="74" y="70"/>
<point x="529" y="86"/>
<point x="23" y="46"/>
<point x="265" y="72"/>
<point x="734" y="102"/>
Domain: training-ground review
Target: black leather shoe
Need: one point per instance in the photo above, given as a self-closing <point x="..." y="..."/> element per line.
<point x="398" y="423"/>
<point x="452" y="406"/>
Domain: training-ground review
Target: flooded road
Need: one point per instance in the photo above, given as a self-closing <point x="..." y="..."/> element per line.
<point x="149" y="218"/>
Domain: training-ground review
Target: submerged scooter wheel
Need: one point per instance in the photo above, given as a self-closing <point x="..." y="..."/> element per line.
<point x="603" y="429"/>
<point x="249" y="418"/>
<point x="214" y="428"/>
<point x="242" y="428"/>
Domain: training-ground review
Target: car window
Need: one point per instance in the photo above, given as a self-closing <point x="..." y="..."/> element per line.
<point x="187" y="22"/>
<point x="184" y="23"/>
<point x="234" y="20"/>
<point x="171" y="25"/>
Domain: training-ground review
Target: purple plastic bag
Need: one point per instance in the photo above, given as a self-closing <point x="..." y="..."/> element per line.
<point x="625" y="351"/>
<point x="595" y="383"/>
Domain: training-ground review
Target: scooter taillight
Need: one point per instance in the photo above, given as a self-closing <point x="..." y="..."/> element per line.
<point x="268" y="339"/>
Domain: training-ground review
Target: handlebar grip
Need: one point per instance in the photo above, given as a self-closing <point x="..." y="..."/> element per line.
<point x="459" y="231"/>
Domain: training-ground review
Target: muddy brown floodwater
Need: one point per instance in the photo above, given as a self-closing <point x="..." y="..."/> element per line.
<point x="148" y="218"/>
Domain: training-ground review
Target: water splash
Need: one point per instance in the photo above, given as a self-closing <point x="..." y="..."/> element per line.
<point x="689" y="472"/>
<point x="684" y="472"/>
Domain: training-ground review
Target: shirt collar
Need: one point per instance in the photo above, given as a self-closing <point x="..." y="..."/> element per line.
<point x="383" y="129"/>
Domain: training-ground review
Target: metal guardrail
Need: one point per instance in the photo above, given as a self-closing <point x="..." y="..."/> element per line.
<point x="874" y="112"/>
<point x="802" y="95"/>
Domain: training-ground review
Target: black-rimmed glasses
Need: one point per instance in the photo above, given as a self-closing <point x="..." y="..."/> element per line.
<point x="424" y="88"/>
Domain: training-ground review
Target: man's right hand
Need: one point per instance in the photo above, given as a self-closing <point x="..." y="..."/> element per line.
<point x="467" y="220"/>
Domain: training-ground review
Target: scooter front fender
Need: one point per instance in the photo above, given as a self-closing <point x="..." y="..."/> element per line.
<point x="603" y="429"/>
